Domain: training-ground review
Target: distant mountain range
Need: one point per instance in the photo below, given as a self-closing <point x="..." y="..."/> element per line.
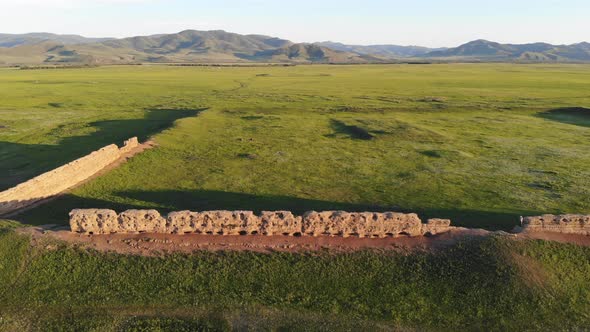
<point x="11" y="40"/>
<point x="491" y="51"/>
<point x="387" y="51"/>
<point x="193" y="46"/>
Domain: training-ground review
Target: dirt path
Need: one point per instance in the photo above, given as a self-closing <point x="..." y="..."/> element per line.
<point x="156" y="244"/>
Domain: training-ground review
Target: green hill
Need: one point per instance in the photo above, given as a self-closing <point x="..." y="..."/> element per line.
<point x="538" y="52"/>
<point x="218" y="46"/>
<point x="186" y="46"/>
<point x="13" y="40"/>
<point x="389" y="51"/>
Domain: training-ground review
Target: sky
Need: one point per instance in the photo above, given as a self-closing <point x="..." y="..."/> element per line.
<point x="433" y="23"/>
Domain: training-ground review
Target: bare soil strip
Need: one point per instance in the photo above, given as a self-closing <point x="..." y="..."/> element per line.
<point x="159" y="244"/>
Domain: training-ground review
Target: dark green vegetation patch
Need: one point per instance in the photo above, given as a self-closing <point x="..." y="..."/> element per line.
<point x="477" y="284"/>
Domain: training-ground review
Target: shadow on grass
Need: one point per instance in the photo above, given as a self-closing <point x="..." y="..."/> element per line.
<point x="20" y="162"/>
<point x="351" y="131"/>
<point x="56" y="212"/>
<point x="571" y="115"/>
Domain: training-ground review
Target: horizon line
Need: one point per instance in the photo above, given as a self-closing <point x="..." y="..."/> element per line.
<point x="305" y="42"/>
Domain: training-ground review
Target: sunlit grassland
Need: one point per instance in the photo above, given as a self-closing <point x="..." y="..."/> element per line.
<point x="469" y="142"/>
<point x="481" y="144"/>
<point x="496" y="283"/>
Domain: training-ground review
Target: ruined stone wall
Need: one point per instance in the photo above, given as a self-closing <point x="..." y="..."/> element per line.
<point x="60" y="179"/>
<point x="332" y="223"/>
<point x="567" y="224"/>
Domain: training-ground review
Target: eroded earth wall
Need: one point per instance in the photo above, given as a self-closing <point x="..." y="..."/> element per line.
<point x="333" y="223"/>
<point x="566" y="224"/>
<point x="60" y="179"/>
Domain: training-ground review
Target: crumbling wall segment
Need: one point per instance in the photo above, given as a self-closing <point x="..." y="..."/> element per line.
<point x="361" y="224"/>
<point x="279" y="222"/>
<point x="435" y="226"/>
<point x="566" y="224"/>
<point x="330" y="223"/>
<point x="62" y="178"/>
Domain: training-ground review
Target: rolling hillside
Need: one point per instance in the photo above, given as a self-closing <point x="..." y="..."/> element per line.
<point x="13" y="40"/>
<point x="391" y="51"/>
<point x="186" y="46"/>
<point x="537" y="52"/>
<point x="191" y="46"/>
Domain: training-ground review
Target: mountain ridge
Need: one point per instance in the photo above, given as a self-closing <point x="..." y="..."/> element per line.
<point x="380" y="49"/>
<point x="538" y="51"/>
<point x="219" y="46"/>
<point x="15" y="40"/>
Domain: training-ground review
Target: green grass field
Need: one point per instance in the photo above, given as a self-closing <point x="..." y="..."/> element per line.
<point x="493" y="284"/>
<point x="478" y="143"/>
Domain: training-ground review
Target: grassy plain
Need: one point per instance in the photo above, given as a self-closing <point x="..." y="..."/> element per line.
<point x="493" y="284"/>
<point x="481" y="144"/>
<point x="472" y="142"/>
